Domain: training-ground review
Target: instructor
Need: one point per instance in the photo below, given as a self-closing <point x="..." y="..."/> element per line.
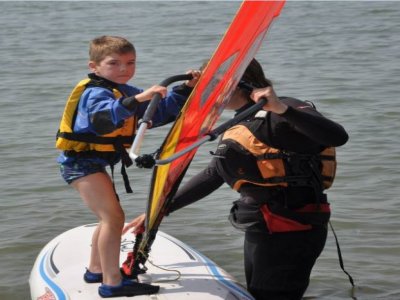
<point x="280" y="160"/>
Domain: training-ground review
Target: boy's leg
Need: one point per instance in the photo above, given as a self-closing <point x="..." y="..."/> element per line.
<point x="94" y="263"/>
<point x="97" y="192"/>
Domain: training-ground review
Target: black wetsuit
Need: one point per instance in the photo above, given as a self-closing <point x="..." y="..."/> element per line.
<point x="277" y="265"/>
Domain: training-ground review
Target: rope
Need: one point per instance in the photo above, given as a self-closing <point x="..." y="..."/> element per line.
<point x="178" y="276"/>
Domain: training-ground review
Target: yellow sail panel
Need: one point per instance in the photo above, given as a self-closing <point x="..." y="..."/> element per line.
<point x="154" y="205"/>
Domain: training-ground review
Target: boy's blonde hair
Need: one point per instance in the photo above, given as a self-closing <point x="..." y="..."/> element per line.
<point x="105" y="45"/>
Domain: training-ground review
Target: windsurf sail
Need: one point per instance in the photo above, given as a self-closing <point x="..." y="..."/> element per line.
<point x="206" y="103"/>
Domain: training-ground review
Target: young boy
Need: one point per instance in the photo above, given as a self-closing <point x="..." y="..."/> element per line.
<point x="98" y="123"/>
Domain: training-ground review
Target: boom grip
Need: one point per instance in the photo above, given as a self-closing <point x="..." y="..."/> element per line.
<point x="151" y="109"/>
<point x="149" y="113"/>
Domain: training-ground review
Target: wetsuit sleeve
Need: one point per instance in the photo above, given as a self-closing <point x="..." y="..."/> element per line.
<point x="198" y="187"/>
<point x="315" y="126"/>
<point x="303" y="129"/>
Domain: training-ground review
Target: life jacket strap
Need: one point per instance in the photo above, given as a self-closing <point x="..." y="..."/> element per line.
<point x="112" y="179"/>
<point x="340" y="256"/>
<point x="126" y="162"/>
<point x="94" y="139"/>
<point x="125" y="178"/>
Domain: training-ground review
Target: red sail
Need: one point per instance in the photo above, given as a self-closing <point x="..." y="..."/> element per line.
<point x="206" y="103"/>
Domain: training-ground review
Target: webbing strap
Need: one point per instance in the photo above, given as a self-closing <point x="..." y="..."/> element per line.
<point x="126" y="179"/>
<point x="112" y="178"/>
<point x="124" y="176"/>
<point x="126" y="162"/>
<point x="340" y="255"/>
<point x="93" y="139"/>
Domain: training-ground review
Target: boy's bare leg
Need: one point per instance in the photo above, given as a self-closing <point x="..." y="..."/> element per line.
<point x="97" y="192"/>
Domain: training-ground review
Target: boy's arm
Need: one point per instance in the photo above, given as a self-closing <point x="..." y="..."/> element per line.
<point x="99" y="112"/>
<point x="169" y="108"/>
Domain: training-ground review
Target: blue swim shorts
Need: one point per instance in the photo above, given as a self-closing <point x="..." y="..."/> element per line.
<point x="80" y="168"/>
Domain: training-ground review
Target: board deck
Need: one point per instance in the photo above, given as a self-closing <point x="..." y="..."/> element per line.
<point x="186" y="273"/>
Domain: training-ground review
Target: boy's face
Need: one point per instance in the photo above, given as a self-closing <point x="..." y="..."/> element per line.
<point x="118" y="68"/>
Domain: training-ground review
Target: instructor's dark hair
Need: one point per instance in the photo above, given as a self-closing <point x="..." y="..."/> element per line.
<point x="254" y="75"/>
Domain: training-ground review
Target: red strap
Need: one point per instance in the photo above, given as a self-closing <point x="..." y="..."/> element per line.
<point x="128" y="264"/>
<point x="313" y="207"/>
<point x="278" y="223"/>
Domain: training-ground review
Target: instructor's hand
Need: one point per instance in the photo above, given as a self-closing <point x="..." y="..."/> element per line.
<point x="273" y="104"/>
<point x="137" y="224"/>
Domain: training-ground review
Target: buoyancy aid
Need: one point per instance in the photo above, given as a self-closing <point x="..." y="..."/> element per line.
<point x="247" y="160"/>
<point x="68" y="140"/>
<point x="275" y="167"/>
<point x="88" y="144"/>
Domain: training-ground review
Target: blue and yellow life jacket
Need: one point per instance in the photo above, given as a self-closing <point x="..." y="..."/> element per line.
<point x="68" y="140"/>
<point x="89" y="145"/>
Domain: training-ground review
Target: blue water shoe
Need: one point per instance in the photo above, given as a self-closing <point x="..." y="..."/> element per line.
<point x="127" y="288"/>
<point x="90" y="277"/>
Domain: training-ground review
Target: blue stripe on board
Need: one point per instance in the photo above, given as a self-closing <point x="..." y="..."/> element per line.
<point x="215" y="272"/>
<point x="54" y="287"/>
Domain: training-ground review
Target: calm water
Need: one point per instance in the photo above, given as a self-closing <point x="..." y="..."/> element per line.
<point x="345" y="56"/>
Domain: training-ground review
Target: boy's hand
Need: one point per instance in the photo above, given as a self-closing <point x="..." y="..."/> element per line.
<point x="196" y="75"/>
<point x="149" y="93"/>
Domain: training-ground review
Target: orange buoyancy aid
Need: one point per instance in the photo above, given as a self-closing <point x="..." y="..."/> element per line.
<point x="274" y="164"/>
<point x="69" y="141"/>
